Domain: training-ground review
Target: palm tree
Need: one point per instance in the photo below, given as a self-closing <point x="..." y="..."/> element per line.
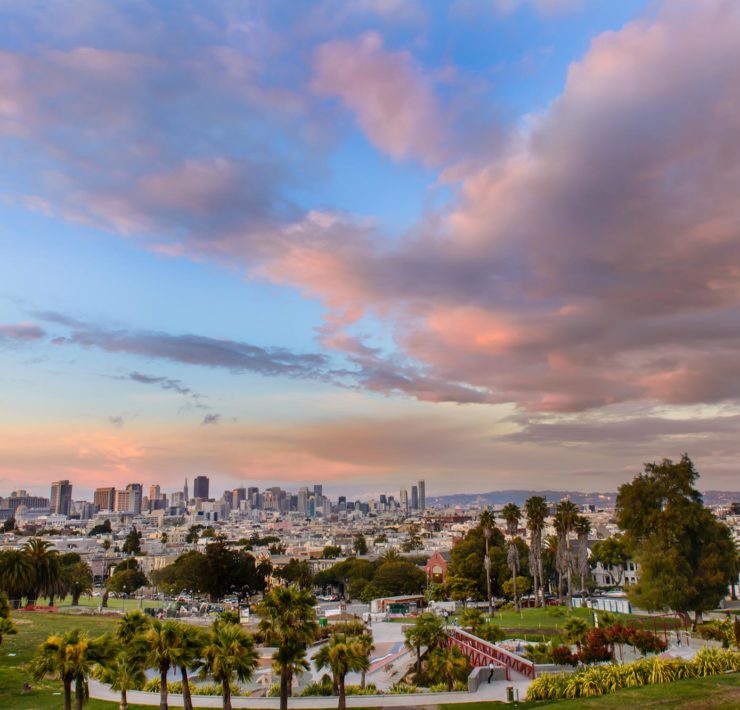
<point x="471" y="619"/>
<point x="575" y="631"/>
<point x="535" y="508"/>
<point x="343" y="654"/>
<point x="124" y="672"/>
<point x="512" y="515"/>
<point x="161" y="640"/>
<point x="288" y="622"/>
<point x="582" y="528"/>
<point x="447" y="665"/>
<point x="71" y="657"/>
<point x="78" y="580"/>
<point x="428" y="630"/>
<point x="189" y="649"/>
<point x="17" y="575"/>
<point x="390" y="555"/>
<point x="487" y="524"/>
<point x="48" y="579"/>
<point x="229" y="652"/>
<point x="566" y="513"/>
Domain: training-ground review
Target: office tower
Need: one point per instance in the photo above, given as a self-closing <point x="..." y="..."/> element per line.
<point x="404" y="498"/>
<point x="105" y="498"/>
<point x="414" y="498"/>
<point x="200" y="487"/>
<point x="312" y="506"/>
<point x="382" y="501"/>
<point x="252" y="491"/>
<point x="185" y="491"/>
<point x="302" y="503"/>
<point x="422" y="495"/>
<point x="135" y="491"/>
<point x="228" y="497"/>
<point x="318" y="490"/>
<point x="61" y="497"/>
<point x="155" y="492"/>
<point x="237" y="496"/>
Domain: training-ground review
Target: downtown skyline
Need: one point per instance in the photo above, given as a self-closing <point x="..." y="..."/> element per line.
<point x="366" y="243"/>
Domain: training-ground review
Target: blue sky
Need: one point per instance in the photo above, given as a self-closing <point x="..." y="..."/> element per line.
<point x="299" y="242"/>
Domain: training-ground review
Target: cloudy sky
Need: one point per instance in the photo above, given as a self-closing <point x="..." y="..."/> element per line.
<point x="491" y="243"/>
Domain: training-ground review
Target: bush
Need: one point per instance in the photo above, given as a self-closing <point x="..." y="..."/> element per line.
<point x="402" y="689"/>
<point x="600" y="680"/>
<point x="369" y="689"/>
<point x="562" y="656"/>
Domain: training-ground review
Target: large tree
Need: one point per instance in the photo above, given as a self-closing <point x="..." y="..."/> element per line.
<point x="428" y="630"/>
<point x="17" y="575"/>
<point x="535" y="510"/>
<point x="612" y="554"/>
<point x="686" y="554"/>
<point x="487" y="524"/>
<point x="161" y="640"/>
<point x="48" y="578"/>
<point x="288" y="622"/>
<point x="566" y="514"/>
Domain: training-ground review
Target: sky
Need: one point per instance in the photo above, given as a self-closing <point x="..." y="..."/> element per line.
<point x="488" y="243"/>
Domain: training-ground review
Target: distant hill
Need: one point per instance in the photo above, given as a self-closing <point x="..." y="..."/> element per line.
<point x="604" y="500"/>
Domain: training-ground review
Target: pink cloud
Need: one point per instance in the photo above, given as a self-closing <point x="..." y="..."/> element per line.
<point x="393" y="100"/>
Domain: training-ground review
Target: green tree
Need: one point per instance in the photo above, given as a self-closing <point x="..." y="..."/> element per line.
<point x="189" y="649"/>
<point x="7" y="628"/>
<point x="161" y="641"/>
<point x="360" y="544"/>
<point x="8" y="525"/>
<point x="613" y="556"/>
<point x="582" y="528"/>
<point x="535" y="510"/>
<point x="103" y="528"/>
<point x="78" y="580"/>
<point x="343" y="654"/>
<point x="229" y="653"/>
<point x="297" y="572"/>
<point x="471" y="619"/>
<point x="566" y="514"/>
<point x="400" y="577"/>
<point x="132" y="543"/>
<point x="427" y="630"/>
<point x="17" y="575"/>
<point x="288" y="622"/>
<point x="48" y="569"/>
<point x="331" y="552"/>
<point x="467" y="560"/>
<point x="686" y="555"/>
<point x="126" y="581"/>
<point x="71" y="657"/>
<point x="575" y="631"/>
<point x="413" y="540"/>
<point x="448" y="665"/>
<point x="487" y="524"/>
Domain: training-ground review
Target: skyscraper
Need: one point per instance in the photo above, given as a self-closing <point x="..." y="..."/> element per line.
<point x="404" y="498"/>
<point x="422" y="495"/>
<point x="302" y="503"/>
<point x="200" y="487"/>
<point x="414" y="498"/>
<point x="105" y="498"/>
<point x="185" y="491"/>
<point x="155" y="493"/>
<point x="61" y="497"/>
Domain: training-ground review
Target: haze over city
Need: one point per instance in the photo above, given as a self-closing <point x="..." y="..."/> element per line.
<point x="487" y="245"/>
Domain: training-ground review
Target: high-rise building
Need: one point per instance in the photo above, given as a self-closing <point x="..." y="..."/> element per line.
<point x="105" y="498"/>
<point x="302" y="503"/>
<point x="404" y="498"/>
<point x="237" y="496"/>
<point x="136" y="492"/>
<point x="422" y="495"/>
<point x="61" y="497"/>
<point x="155" y="492"/>
<point x="200" y="487"/>
<point x="414" y="498"/>
<point x="185" y="491"/>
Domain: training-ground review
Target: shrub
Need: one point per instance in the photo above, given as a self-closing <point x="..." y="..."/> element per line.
<point x="562" y="656"/>
<point x="402" y="689"/>
<point x="369" y="689"/>
<point x="595" y="648"/>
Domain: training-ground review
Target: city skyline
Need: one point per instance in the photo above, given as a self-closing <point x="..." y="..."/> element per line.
<point x="490" y="245"/>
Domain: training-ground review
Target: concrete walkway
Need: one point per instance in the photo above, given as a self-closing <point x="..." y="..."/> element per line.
<point x="492" y="691"/>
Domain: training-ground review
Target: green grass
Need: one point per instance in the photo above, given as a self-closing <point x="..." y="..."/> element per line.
<point x="713" y="693"/>
<point x="114" y="604"/>
<point x="33" y="628"/>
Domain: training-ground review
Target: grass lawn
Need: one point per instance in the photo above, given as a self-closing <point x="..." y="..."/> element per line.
<point x="713" y="693"/>
<point x="116" y="604"/>
<point x="33" y="628"/>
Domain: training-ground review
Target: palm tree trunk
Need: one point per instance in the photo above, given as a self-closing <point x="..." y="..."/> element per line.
<point x="342" y="701"/>
<point x="418" y="660"/>
<point x="540" y="572"/>
<point x="75" y="600"/>
<point x="488" y="579"/>
<point x="362" y="679"/>
<point x="284" y="683"/>
<point x="226" y="694"/>
<point x="163" y="687"/>
<point x="560" y="587"/>
<point x="516" y="598"/>
<point x="570" y="591"/>
<point x="187" y="701"/>
<point x="67" y="694"/>
<point x="79" y="692"/>
<point x="124" y="700"/>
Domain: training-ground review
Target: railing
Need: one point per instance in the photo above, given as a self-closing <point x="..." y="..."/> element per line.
<point x="483" y="653"/>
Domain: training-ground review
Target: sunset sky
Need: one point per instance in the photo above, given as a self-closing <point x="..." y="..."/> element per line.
<point x="490" y="243"/>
